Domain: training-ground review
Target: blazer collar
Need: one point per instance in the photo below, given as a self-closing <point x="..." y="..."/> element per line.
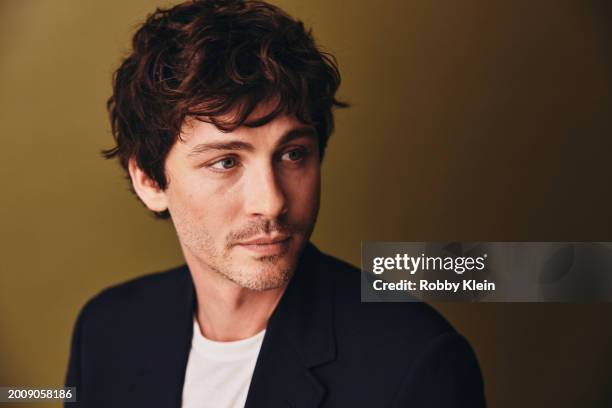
<point x="166" y="330"/>
<point x="305" y="314"/>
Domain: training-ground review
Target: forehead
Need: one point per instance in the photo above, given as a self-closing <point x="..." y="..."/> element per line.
<point x="195" y="132"/>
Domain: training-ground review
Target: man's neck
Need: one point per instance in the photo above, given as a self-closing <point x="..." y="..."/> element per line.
<point x="227" y="311"/>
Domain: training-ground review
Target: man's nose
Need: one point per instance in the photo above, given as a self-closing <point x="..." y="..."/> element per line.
<point x="264" y="193"/>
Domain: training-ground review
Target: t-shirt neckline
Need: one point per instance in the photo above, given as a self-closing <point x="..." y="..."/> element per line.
<point x="226" y="350"/>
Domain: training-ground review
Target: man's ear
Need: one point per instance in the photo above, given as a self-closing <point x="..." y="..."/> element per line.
<point x="147" y="189"/>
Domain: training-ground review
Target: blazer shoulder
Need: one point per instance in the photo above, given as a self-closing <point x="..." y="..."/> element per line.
<point x="402" y="320"/>
<point x="137" y="293"/>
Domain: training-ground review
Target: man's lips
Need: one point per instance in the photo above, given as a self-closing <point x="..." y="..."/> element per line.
<point x="270" y="240"/>
<point x="267" y="245"/>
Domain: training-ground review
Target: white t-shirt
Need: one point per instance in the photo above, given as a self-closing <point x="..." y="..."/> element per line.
<point x="219" y="373"/>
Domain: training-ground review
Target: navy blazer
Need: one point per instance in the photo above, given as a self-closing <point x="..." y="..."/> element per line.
<point x="322" y="347"/>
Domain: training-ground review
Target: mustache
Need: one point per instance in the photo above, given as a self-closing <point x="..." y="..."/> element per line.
<point x="256" y="228"/>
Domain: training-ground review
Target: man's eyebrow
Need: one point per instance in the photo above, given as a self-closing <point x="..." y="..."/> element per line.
<point x="233" y="145"/>
<point x="303" y="131"/>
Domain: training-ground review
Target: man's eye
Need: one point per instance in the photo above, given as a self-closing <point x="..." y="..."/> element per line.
<point x="294" y="155"/>
<point x="225" y="164"/>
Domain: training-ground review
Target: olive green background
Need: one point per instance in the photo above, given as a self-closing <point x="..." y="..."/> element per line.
<point x="471" y="120"/>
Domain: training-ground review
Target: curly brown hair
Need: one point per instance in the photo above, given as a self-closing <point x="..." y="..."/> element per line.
<point x="209" y="58"/>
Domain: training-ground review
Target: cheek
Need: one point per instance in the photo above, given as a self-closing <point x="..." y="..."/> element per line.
<point x="209" y="205"/>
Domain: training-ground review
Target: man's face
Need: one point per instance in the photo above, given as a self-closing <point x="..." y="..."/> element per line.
<point x="244" y="203"/>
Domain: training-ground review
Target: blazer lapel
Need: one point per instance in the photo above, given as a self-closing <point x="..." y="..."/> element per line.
<point x="165" y="347"/>
<point x="299" y="337"/>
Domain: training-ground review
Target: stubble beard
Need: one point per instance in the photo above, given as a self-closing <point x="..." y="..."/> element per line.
<point x="262" y="273"/>
<point x="270" y="274"/>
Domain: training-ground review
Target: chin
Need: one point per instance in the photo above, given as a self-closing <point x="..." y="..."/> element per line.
<point x="264" y="272"/>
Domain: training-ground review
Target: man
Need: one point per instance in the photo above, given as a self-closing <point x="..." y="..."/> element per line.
<point x="221" y="115"/>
